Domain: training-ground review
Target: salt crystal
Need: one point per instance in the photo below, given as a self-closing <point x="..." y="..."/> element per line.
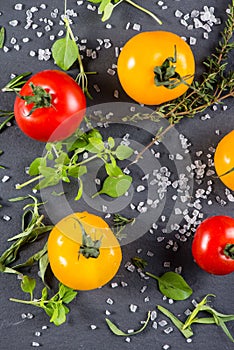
<point x="168" y="330"/>
<point x="192" y="40"/>
<point x="140" y="188"/>
<point x="162" y="323"/>
<point x="35" y="344"/>
<point x="37" y="334"/>
<point x="93" y="326"/>
<point x="14" y="23"/>
<point x="153" y="315"/>
<point x="18" y="7"/>
<point x="128" y="339"/>
<point x="109" y="301"/>
<point x="6" y="217"/>
<point x="166" y="347"/>
<point x="133" y="308"/>
<point x="136" y="27"/>
<point x="178" y="13"/>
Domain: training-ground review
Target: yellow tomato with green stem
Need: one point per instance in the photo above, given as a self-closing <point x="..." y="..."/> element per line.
<point x="224" y="160"/>
<point x="155" y="67"/>
<point x="83" y="251"/>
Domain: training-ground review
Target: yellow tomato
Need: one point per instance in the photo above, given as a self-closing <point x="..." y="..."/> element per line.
<point x="138" y="59"/>
<point x="224" y="160"/>
<point x="67" y="251"/>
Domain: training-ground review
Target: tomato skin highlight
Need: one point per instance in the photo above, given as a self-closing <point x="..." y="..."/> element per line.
<point x="141" y="54"/>
<point x="209" y="243"/>
<point x="224" y="160"/>
<point x="73" y="269"/>
<point x="62" y="118"/>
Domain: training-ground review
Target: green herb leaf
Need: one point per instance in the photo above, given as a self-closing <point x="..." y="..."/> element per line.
<point x="172" y="285"/>
<point x="28" y="285"/>
<point x="118" y="332"/>
<point x="65" y="52"/>
<point x="114" y="171"/>
<point x="2" y="37"/>
<point x="115" y="186"/>
<point x="66" y="294"/>
<point x="123" y="152"/>
<point x="34" y="168"/>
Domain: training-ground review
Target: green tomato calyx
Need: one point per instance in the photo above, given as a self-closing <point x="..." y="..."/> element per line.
<point x="229" y="250"/>
<point x="166" y="75"/>
<point x="40" y="98"/>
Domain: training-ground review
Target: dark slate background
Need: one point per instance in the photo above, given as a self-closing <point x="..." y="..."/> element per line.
<point x="89" y="307"/>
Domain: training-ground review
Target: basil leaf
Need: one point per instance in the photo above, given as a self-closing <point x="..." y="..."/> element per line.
<point x="115" y="186"/>
<point x="173" y="285"/>
<point x="2" y="37"/>
<point x="111" y="142"/>
<point x="66" y="294"/>
<point x="65" y="52"/>
<point x="118" y="331"/>
<point x="123" y="152"/>
<point x="187" y="333"/>
<point x="95" y="145"/>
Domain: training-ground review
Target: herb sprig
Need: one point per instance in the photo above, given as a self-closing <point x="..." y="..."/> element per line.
<point x="65" y="52"/>
<point x="62" y="162"/>
<point x="32" y="229"/>
<point x="106" y="7"/>
<point x="55" y="307"/>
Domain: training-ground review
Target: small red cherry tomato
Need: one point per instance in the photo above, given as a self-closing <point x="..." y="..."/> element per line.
<point x="213" y="245"/>
<point x="50" y="106"/>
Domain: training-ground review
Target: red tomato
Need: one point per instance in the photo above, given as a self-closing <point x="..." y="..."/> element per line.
<point x="213" y="245"/>
<point x="61" y="108"/>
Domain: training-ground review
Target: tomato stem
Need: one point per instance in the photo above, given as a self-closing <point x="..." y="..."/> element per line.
<point x="40" y="98"/>
<point x="166" y="75"/>
<point x="89" y="248"/>
<point x="229" y="250"/>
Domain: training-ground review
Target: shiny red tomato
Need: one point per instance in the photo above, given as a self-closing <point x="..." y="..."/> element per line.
<point x="213" y="245"/>
<point x="224" y="160"/>
<point x="51" y="107"/>
<point x="137" y="64"/>
<point x="83" y="260"/>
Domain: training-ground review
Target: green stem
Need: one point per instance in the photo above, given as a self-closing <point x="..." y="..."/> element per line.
<point x="87" y="160"/>
<point x="20" y="186"/>
<point x="145" y="10"/>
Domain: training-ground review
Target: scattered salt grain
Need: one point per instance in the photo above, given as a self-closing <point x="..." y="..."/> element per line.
<point x="5" y="178"/>
<point x="110" y="301"/>
<point x="166" y="347"/>
<point x="133" y="308"/>
<point x="37" y="334"/>
<point x="35" y="344"/>
<point x="93" y="327"/>
<point x="6" y="217"/>
<point x="162" y="323"/>
<point x="14" y="23"/>
<point x="136" y="27"/>
<point x="18" y="7"/>
<point x="168" y="330"/>
<point x="153" y="315"/>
